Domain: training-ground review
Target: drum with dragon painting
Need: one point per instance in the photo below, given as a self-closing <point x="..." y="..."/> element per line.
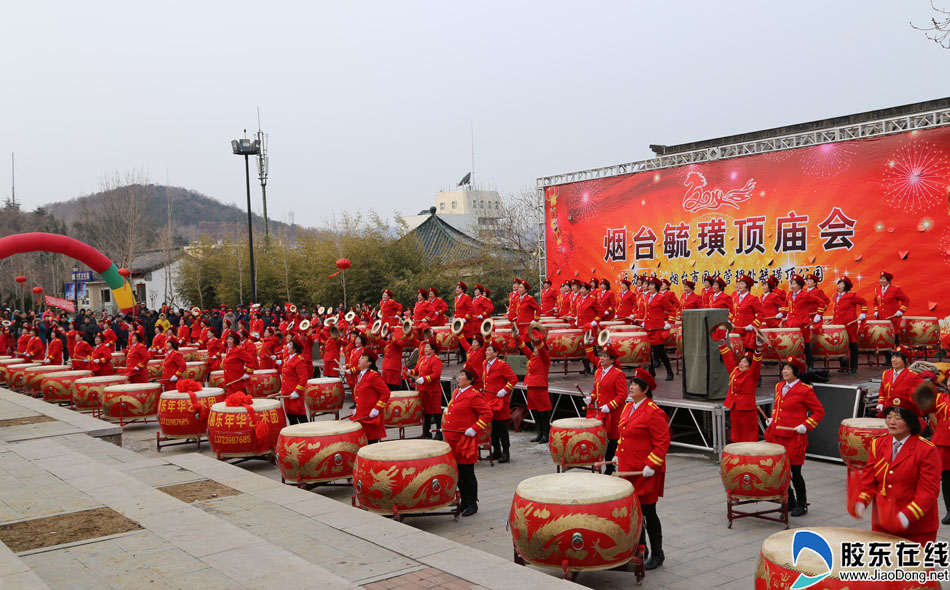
<point x="409" y="475"/>
<point x="754" y="470"/>
<point x="577" y="442"/>
<point x="317" y="452"/>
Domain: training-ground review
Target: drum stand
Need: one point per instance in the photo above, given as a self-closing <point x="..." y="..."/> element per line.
<point x="483" y="448"/>
<point x="454" y="510"/>
<point x="635" y="565"/>
<point x="269" y="456"/>
<point x="318" y="484"/>
<point x="159" y="439"/>
<point x="734" y="514"/>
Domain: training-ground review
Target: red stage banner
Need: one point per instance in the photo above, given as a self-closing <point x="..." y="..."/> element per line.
<point x="852" y="208"/>
<point x="64" y="304"/>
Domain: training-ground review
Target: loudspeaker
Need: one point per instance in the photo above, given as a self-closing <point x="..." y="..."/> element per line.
<point x="704" y="374"/>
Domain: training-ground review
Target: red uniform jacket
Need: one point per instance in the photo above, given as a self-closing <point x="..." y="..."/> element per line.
<point x="689" y="301"/>
<point x="772" y="304"/>
<point x="847" y="307"/>
<point x="742" y="384"/>
<point x="136" y="363"/>
<point x="70" y="342"/>
<point x="705" y="295"/>
<point x="35" y="351"/>
<point x="548" y="301"/>
<point x="22" y="342"/>
<point x="658" y="311"/>
<point x="901" y="387"/>
<point x="251" y="347"/>
<point x="822" y="299"/>
<point x="626" y="306"/>
<point x="644" y="440"/>
<point x="610" y="390"/>
<point x="940" y="426"/>
<point x="746" y="311"/>
<point x="184" y="334"/>
<point x="82" y="355"/>
<point x="391" y="311"/>
<point x="54" y="353"/>
<point x="791" y="410"/>
<point x="512" y="314"/>
<point x="439" y="307"/>
<point x="801" y="308"/>
<point x="608" y="301"/>
<point x="215" y="352"/>
<point x="236" y="362"/>
<point x="392" y="360"/>
<point x="257" y="327"/>
<point x="330" y="347"/>
<point x="563" y="307"/>
<point x="720" y="300"/>
<point x="430" y="369"/>
<point x="528" y="311"/>
<point x="539" y="364"/>
<point x="293" y="379"/>
<point x="496" y="378"/>
<point x="109" y="337"/>
<point x="465" y="310"/>
<point x="173" y="365"/>
<point x="909" y="484"/>
<point x="889" y="302"/>
<point x="352" y="364"/>
<point x="158" y="345"/>
<point x="474" y="361"/>
<point x="269" y="348"/>
<point x="483" y="307"/>
<point x="587" y="310"/>
<point x="102" y="354"/>
<point x="422" y="312"/>
<point x="371" y="393"/>
<point x="467" y="409"/>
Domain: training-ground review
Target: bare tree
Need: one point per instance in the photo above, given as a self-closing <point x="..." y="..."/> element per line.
<point x="116" y="224"/>
<point x="939" y="29"/>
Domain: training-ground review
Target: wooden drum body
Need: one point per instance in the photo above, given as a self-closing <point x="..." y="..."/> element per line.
<point x="409" y="475"/>
<point x="317" y="452"/>
<point x="783" y="343"/>
<point x="754" y="471"/>
<point x="831" y="341"/>
<point x="33" y="376"/>
<point x="16" y="375"/>
<point x="854" y="439"/>
<point x="58" y="386"/>
<point x="130" y="401"/>
<point x="231" y="433"/>
<point x="444" y="337"/>
<point x="565" y="343"/>
<point x="506" y="339"/>
<point x="87" y="391"/>
<point x="876" y="335"/>
<point x="190" y="353"/>
<point x="921" y="331"/>
<point x="4" y="364"/>
<point x="577" y="442"/>
<point x="154" y="369"/>
<point x="263" y="382"/>
<point x="216" y="379"/>
<point x="577" y="521"/>
<point x="176" y="417"/>
<point x="324" y="394"/>
<point x="118" y="360"/>
<point x="634" y="347"/>
<point x="196" y="370"/>
<point x="404" y="409"/>
<point x="778" y="569"/>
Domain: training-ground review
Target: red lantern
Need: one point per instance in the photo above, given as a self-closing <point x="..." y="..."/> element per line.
<point x="37" y="290"/>
<point x="21" y="279"/>
<point x="343" y="264"/>
<point x="125" y="272"/>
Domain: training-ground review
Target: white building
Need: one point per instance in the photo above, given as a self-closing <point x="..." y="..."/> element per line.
<point x="467" y="210"/>
<point x="153" y="282"/>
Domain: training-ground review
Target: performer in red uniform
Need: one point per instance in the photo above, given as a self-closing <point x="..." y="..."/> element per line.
<point x="238" y="364"/>
<point x="801" y="307"/>
<point x="626" y="302"/>
<point x="360" y="341"/>
<point x="902" y="478"/>
<point x="498" y="382"/>
<point x="689" y="299"/>
<point x="512" y="312"/>
<point x="439" y="307"/>
<point x="391" y="309"/>
<point x="940" y="426"/>
<point x="173" y="366"/>
<point x="371" y="396"/>
<point x="464" y="310"/>
<point x="796" y="411"/>
<point x="35" y="350"/>
<point x="548" y="298"/>
<point x="740" y="399"/>
<point x="428" y="375"/>
<point x="644" y="442"/>
<point x="23" y="341"/>
<point x="746" y="311"/>
<point x="101" y="364"/>
<point x="587" y="314"/>
<point x="718" y="298"/>
<point x="392" y="360"/>
<point x="659" y="315"/>
<point x="563" y="306"/>
<point x="108" y="335"/>
<point x="482" y="305"/>
<point x="184" y="332"/>
<point x="606" y="400"/>
<point x="54" y="351"/>
<point x="466" y="416"/>
<point x="536" y="382"/>
<point x="215" y="351"/>
<point x="474" y="357"/>
<point x="528" y="310"/>
<point x="82" y="353"/>
<point x="422" y="313"/>
<point x="330" y="343"/>
<point x="608" y="301"/>
<point x="772" y="303"/>
<point x="850" y="310"/>
<point x="890" y="303"/>
<point x="897" y="383"/>
<point x="136" y="360"/>
<point x="70" y="339"/>
<point x="707" y="290"/>
<point x="575" y="295"/>
<point x="293" y="381"/>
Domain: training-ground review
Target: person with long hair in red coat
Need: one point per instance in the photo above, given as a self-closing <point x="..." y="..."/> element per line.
<point x="101" y="363"/>
<point x="466" y="416"/>
<point x="772" y="300"/>
<point x="428" y="376"/>
<point x="136" y="360"/>
<point x="536" y="383"/>
<point x="498" y="381"/>
<point x="626" y="302"/>
<point x="740" y="399"/>
<point x="391" y="309"/>
<point x="54" y="350"/>
<point x="850" y="310"/>
<point x="659" y="315"/>
<point x="82" y="353"/>
<point x="644" y="442"/>
<point x="293" y="381"/>
<point x="371" y="396"/>
<point x="238" y="364"/>
<point x="606" y="399"/>
<point x="173" y="366"/>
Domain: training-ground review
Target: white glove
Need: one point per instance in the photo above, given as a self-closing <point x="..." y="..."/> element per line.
<point x="648" y="471"/>
<point x="245" y="377"/>
<point x="748" y="328"/>
<point x="863" y="316"/>
<point x="667" y="326"/>
<point x="280" y="362"/>
<point x="373" y="413"/>
<point x="899" y="314"/>
<point x="605" y="409"/>
<point x="294" y="395"/>
<point x="587" y="400"/>
<point x="353" y="413"/>
<point x="502" y="393"/>
<point x="859" y="509"/>
<point x="174" y="378"/>
<point x="779" y="315"/>
<point x="880" y="407"/>
<point x="420" y="380"/>
<point x="593" y="324"/>
<point x="904" y="522"/>
<point x="97" y="361"/>
<point x="768" y="421"/>
<point x="45" y="361"/>
<point x="470" y="432"/>
<point x="817" y="318"/>
<point x="273" y="357"/>
<point x="875" y="314"/>
<point x="800" y="429"/>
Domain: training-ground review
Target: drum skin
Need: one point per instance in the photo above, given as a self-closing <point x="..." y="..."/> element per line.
<point x="876" y="335"/>
<point x="921" y="331"/>
<point x="830" y="341"/>
<point x="577" y="442"/>
<point x="154" y="368"/>
<point x="33" y="376"/>
<point x="444" y="337"/>
<point x="87" y="391"/>
<point x="316" y="452"/>
<point x="783" y="343"/>
<point x="403" y="409"/>
<point x="177" y="419"/>
<point x="231" y="434"/>
<point x="216" y="379"/>
<point x="777" y="570"/>
<point x="58" y="386"/>
<point x="6" y="363"/>
<point x="634" y="347"/>
<point x="190" y="353"/>
<point x="263" y="382"/>
<point x="564" y="344"/>
<point x="16" y="376"/>
<point x="754" y="471"/>
<point x="324" y="394"/>
<point x="854" y="439"/>
<point x="412" y="476"/>
<point x="196" y="370"/>
<point x="585" y="521"/>
<point x="130" y="400"/>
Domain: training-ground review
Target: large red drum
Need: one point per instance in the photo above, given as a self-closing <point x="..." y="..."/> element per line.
<point x="779" y="568"/>
<point x="196" y="370"/>
<point x="404" y="409"/>
<point x="263" y="382"/>
<point x="634" y="347"/>
<point x="735" y="343"/>
<point x="231" y="433"/>
<point x="409" y="475"/>
<point x="445" y="338"/>
<point x="754" y="471"/>
<point x="87" y="391"/>
<point x="33" y="376"/>
<point x="154" y="369"/>
<point x="190" y="353"/>
<point x="566" y="343"/>
<point x="854" y="439"/>
<point x="118" y="360"/>
<point x="876" y="335"/>
<point x="831" y="341"/>
<point x="783" y="343"/>
<point x="324" y="394"/>
<point x="579" y="521"/>
<point x="317" y="452"/>
<point x="15" y="375"/>
<point x="6" y="363"/>
<point x="58" y="386"/>
<point x="130" y="401"/>
<point x="506" y="339"/>
<point x="202" y="355"/>
<point x="675" y="339"/>
<point x="921" y="331"/>
<point x="177" y="418"/>
<point x="577" y="442"/>
<point x="216" y="379"/>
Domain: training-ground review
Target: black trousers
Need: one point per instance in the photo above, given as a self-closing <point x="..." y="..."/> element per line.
<point x="945" y="484"/>
<point x="609" y="454"/>
<point x="499" y="435"/>
<point x="659" y="353"/>
<point x="468" y="486"/>
<point x="796" y="492"/>
<point x="653" y="528"/>
<point x="296" y="419"/>
<point x="809" y="357"/>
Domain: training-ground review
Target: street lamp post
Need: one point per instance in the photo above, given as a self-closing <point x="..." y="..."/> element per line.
<point x="245" y="147"/>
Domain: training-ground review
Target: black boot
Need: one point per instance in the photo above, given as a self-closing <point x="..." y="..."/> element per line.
<point x="853" y="356"/>
<point x="791" y="500"/>
<point x="801" y="506"/>
<point x="669" y="375"/>
<point x="470" y="509"/>
<point x="546" y="429"/>
<point x="655" y="561"/>
<point x="437" y="420"/>
<point x="495" y="453"/>
<point x="505" y="457"/>
<point x="426" y="424"/>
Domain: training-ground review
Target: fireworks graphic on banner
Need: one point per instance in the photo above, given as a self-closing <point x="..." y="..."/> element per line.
<point x="826" y="160"/>
<point x="943" y="247"/>
<point x="780" y="155"/>
<point x="581" y="200"/>
<point x="916" y="177"/>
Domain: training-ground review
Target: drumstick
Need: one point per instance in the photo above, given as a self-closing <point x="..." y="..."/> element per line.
<point x="785" y="427"/>
<point x="761" y="411"/>
<point x="581" y="391"/>
<point x="627" y="473"/>
<point x="602" y="463"/>
<point x="235" y="381"/>
<point x="452" y="431"/>
<point x="851" y="322"/>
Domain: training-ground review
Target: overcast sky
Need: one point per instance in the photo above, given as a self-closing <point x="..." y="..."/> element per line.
<point x="369" y="104"/>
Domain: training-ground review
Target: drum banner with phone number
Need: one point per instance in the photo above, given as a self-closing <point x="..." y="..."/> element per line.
<point x="852" y="208"/>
